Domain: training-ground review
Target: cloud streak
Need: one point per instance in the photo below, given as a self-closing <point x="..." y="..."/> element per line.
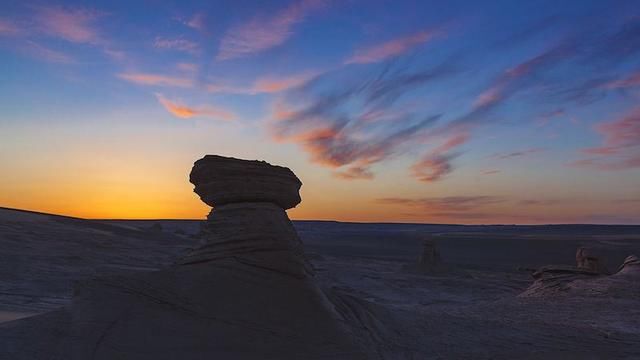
<point x="177" y="44"/>
<point x="620" y="149"/>
<point x="269" y="84"/>
<point x="156" y="79"/>
<point x="73" y="25"/>
<point x="263" y="33"/>
<point x="350" y="139"/>
<point x="392" y="48"/>
<point x="186" y="112"/>
<point x="446" y="204"/>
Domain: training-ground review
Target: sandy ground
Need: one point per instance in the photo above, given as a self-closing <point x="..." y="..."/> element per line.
<point x="471" y="311"/>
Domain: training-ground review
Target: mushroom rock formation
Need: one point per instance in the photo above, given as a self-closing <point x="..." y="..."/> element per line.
<point x="246" y="293"/>
<point x="591" y="259"/>
<point x="249" y="223"/>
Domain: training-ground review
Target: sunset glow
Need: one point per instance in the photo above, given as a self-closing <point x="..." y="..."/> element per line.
<point x="408" y="111"/>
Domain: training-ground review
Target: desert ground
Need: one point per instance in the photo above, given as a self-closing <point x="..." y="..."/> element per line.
<point x="476" y="304"/>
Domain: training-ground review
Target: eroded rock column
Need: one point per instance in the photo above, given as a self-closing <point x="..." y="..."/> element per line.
<point x="248" y="223"/>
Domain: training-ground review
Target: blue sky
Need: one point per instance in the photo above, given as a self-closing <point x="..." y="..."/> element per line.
<point x="457" y="111"/>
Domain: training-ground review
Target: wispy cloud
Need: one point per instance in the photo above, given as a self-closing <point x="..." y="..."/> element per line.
<point x="42" y="52"/>
<point x="515" y="154"/>
<point x="157" y="79"/>
<point x="621" y="144"/>
<point x="178" y="44"/>
<point x="263" y="33"/>
<point x="71" y="24"/>
<point x="540" y="202"/>
<point x="186" y="112"/>
<point x="437" y="163"/>
<point x="632" y="80"/>
<point x="490" y="172"/>
<point x="392" y="48"/>
<point x="446" y="204"/>
<point x="354" y="173"/>
<point x="9" y="28"/>
<point x="268" y="84"/>
<point x="197" y="21"/>
<point x="348" y="141"/>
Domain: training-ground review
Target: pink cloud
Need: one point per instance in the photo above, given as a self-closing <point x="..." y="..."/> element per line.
<point x="178" y="44"/>
<point x="42" y="52"/>
<point x="266" y="84"/>
<point x="156" y="79"/>
<point x="261" y="34"/>
<point x="390" y="48"/>
<point x="621" y="144"/>
<point x="354" y="173"/>
<point x="9" y="28"/>
<point x="74" y="25"/>
<point x="197" y="22"/>
<point x="186" y="112"/>
<point x="437" y="163"/>
<point x="632" y="80"/>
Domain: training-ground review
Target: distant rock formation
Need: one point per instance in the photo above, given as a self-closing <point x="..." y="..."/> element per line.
<point x="591" y="259"/>
<point x="247" y="293"/>
<point x="589" y="277"/>
<point x="430" y="261"/>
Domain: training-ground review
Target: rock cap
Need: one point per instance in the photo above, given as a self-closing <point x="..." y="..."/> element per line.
<point x="223" y="180"/>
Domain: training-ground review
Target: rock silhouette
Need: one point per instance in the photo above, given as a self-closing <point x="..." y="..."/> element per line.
<point x="246" y="293"/>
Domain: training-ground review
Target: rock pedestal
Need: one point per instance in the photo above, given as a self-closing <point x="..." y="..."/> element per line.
<point x="249" y="223"/>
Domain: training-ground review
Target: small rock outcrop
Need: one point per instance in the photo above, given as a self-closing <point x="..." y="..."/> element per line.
<point x="430" y="261"/>
<point x="591" y="259"/>
<point x="630" y="266"/>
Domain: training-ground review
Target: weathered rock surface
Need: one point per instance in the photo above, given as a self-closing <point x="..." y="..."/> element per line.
<point x="630" y="266"/>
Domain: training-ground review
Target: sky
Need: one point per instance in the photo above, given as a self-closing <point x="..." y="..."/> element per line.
<point x="474" y="112"/>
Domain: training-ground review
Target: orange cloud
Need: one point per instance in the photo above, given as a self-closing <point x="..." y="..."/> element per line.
<point x="74" y="25"/>
<point x="186" y="112"/>
<point x="278" y="84"/>
<point x="391" y="48"/>
<point x="437" y="163"/>
<point x="261" y="34"/>
<point x="265" y="85"/>
<point x="156" y="79"/>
